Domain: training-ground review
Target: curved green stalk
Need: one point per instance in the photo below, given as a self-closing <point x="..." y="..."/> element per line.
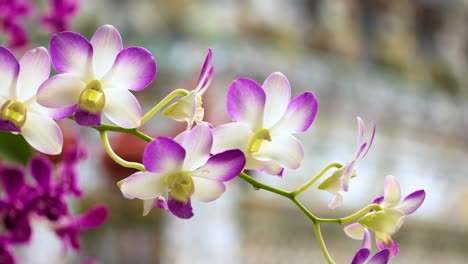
<point x="321" y="242"/>
<point x="316" y="177"/>
<point x="132" y="131"/>
<point x="115" y="157"/>
<point x="359" y="213"/>
<point x="259" y="185"/>
<point x="162" y="103"/>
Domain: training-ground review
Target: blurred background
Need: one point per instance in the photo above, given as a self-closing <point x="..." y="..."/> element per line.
<point x="402" y="64"/>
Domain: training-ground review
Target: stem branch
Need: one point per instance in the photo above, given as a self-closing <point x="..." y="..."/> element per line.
<point x="115" y="157"/>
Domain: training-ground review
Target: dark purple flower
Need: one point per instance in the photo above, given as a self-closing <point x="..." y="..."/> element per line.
<point x="60" y="14"/>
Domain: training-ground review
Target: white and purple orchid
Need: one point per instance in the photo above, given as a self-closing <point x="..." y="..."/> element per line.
<point x="340" y="179"/>
<point x="387" y="222"/>
<point x="190" y="107"/>
<point x="19" y="111"/>
<point x="95" y="77"/>
<point x="265" y="118"/>
<point x="362" y="255"/>
<point x="181" y="168"/>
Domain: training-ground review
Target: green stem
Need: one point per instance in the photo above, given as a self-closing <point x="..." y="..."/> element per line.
<point x="258" y="185"/>
<point x="304" y="210"/>
<point x="160" y="105"/>
<point x="316" y="178"/>
<point x="321" y="242"/>
<point x="359" y="213"/>
<point x="133" y="131"/>
<point x="115" y="157"/>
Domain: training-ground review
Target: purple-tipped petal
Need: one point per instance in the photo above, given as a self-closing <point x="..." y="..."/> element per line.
<point x="278" y="95"/>
<point x="85" y="118"/>
<point x="59" y="91"/>
<point x="71" y="53"/>
<point x="207" y="190"/>
<point x="41" y="170"/>
<point x="107" y="43"/>
<point x="143" y="185"/>
<point x="206" y="71"/>
<point x="387" y="243"/>
<point x="374" y="128"/>
<point x="246" y="102"/>
<point x="94" y="217"/>
<point x="361" y="256"/>
<point x="231" y="136"/>
<point x="34" y="70"/>
<point x="60" y="113"/>
<point x="392" y="194"/>
<point x="197" y="144"/>
<point x="286" y="150"/>
<point x="180" y="209"/>
<point x="133" y="69"/>
<point x="43" y="134"/>
<point x="346" y="178"/>
<point x="378" y="200"/>
<point x="223" y="166"/>
<point x="299" y="116"/>
<point x="122" y="108"/>
<point x="361" y="128"/>
<point x="207" y="81"/>
<point x="412" y="202"/>
<point x="366" y="241"/>
<point x="163" y="155"/>
<point x="161" y="203"/>
<point x="380" y="257"/>
<point x="9" y="69"/>
<point x="12" y="180"/>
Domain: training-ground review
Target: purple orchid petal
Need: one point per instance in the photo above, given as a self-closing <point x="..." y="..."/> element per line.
<point x="223" y="166"/>
<point x="207" y="190"/>
<point x="12" y="180"/>
<point x="41" y="170"/>
<point x="278" y="95"/>
<point x="6" y="257"/>
<point x="389" y="245"/>
<point x="361" y="256"/>
<point x="299" y="115"/>
<point x="144" y="186"/>
<point x="197" y="144"/>
<point x="412" y="202"/>
<point x="380" y="257"/>
<point x="366" y="241"/>
<point x="60" y="91"/>
<point x="360" y="150"/>
<point x="71" y="53"/>
<point x="161" y="203"/>
<point x="180" y="209"/>
<point x="207" y="82"/>
<point x="360" y="130"/>
<point x="60" y="113"/>
<point x="289" y="157"/>
<point x="95" y="217"/>
<point x="122" y="108"/>
<point x="346" y="178"/>
<point x="374" y="128"/>
<point x="85" y="118"/>
<point x="8" y="126"/>
<point x="133" y="69"/>
<point x="246" y="102"/>
<point x="206" y="71"/>
<point x="9" y="69"/>
<point x="34" y="70"/>
<point x="163" y="155"/>
<point x="378" y="200"/>
<point x="107" y="44"/>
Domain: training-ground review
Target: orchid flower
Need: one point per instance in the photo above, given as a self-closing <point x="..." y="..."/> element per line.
<point x="19" y="111"/>
<point x="58" y="17"/>
<point x="190" y="107"/>
<point x="339" y="180"/>
<point x="264" y="120"/>
<point x="387" y="222"/>
<point x="13" y="13"/>
<point x="95" y="77"/>
<point x="363" y="253"/>
<point x="181" y="168"/>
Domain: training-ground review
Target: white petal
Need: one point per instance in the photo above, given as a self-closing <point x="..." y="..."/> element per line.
<point x="143" y="185"/>
<point x="148" y="205"/>
<point x="60" y="91"/>
<point x="42" y="133"/>
<point x="392" y="193"/>
<point x="278" y="94"/>
<point x="207" y="190"/>
<point x="122" y="108"/>
<point x="336" y="202"/>
<point x="34" y="70"/>
<point x="230" y="136"/>
<point x="197" y="144"/>
<point x="107" y="43"/>
<point x="355" y="231"/>
<point x="9" y="68"/>
<point x="286" y="150"/>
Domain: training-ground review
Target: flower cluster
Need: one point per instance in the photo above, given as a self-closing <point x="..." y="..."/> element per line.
<point x="42" y="201"/>
<point x="14" y="14"/>
<point x="95" y="81"/>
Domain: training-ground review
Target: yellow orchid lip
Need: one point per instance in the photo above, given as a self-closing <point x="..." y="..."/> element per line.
<point x="181" y="185"/>
<point x="255" y="142"/>
<point x="15" y="112"/>
<point x="92" y="98"/>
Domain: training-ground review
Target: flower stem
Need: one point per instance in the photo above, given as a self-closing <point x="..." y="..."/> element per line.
<point x="359" y="213"/>
<point x="165" y="101"/>
<point x="132" y="131"/>
<point x="259" y="185"/>
<point x="321" y="242"/>
<point x="316" y="178"/>
<point x="115" y="157"/>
